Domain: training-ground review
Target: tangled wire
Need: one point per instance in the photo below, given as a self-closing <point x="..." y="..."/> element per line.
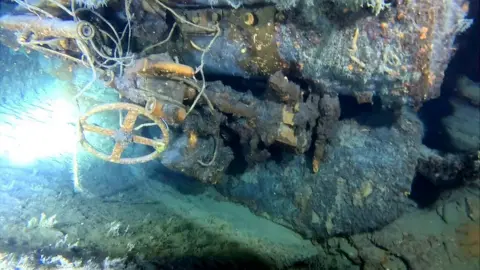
<point x="92" y="55"/>
<point x="97" y="58"/>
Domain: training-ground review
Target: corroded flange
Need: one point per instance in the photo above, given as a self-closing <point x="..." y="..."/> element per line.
<point x="85" y="30"/>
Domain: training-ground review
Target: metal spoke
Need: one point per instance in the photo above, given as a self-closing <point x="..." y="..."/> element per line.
<point x="97" y="129"/>
<point x="147" y="141"/>
<point x="117" y="151"/>
<point x="129" y="121"/>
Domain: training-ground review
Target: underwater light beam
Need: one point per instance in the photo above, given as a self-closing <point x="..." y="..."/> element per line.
<point x="38" y="132"/>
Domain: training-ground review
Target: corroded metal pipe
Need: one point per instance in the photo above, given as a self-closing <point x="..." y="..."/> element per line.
<point x="170" y="112"/>
<point x="46" y="27"/>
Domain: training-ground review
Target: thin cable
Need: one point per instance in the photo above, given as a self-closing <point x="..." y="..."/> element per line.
<point x="161" y="42"/>
<point x="200" y="68"/>
<point x="85" y="52"/>
<point x="183" y="19"/>
<point x="106" y="22"/>
<point x="64" y="8"/>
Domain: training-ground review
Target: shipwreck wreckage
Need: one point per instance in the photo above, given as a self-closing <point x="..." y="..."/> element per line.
<point x="158" y="56"/>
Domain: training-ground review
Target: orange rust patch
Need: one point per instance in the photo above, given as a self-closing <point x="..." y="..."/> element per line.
<point x="192" y="139"/>
<point x="168" y="68"/>
<point x="423" y="33"/>
<point x="315" y="164"/>
<point x="468" y="239"/>
<point x="384" y="26"/>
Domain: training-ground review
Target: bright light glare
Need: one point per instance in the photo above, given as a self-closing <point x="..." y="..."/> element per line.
<point x="44" y="131"/>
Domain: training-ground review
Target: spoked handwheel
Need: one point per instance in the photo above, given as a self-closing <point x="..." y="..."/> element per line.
<point x="124" y="135"/>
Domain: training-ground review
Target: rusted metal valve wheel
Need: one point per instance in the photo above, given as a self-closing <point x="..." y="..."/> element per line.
<point x="124" y="135"/>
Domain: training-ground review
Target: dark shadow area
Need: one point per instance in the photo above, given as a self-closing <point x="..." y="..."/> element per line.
<point x="257" y="85"/>
<point x="239" y="164"/>
<point x="423" y="192"/>
<point x="278" y="153"/>
<point x="465" y="62"/>
<point x="373" y="115"/>
<point x="432" y="114"/>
